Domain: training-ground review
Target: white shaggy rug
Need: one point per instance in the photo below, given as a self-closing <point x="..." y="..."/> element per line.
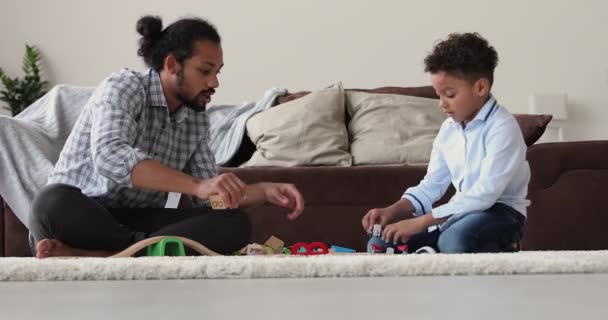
<point x="355" y="265"/>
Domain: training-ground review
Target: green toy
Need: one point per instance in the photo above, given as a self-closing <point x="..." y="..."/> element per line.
<point x="168" y="246"/>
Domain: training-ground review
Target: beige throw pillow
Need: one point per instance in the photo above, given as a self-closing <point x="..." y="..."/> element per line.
<point x="392" y="129"/>
<point x="309" y="131"/>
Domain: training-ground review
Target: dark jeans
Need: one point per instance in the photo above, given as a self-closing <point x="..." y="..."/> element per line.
<point x="62" y="212"/>
<point x="493" y="230"/>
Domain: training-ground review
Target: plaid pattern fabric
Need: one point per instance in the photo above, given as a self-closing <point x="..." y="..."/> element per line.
<point x="125" y="121"/>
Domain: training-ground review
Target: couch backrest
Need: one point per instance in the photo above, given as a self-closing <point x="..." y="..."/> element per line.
<point x="532" y="126"/>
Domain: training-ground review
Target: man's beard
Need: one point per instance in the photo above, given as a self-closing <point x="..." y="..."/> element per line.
<point x="190" y="103"/>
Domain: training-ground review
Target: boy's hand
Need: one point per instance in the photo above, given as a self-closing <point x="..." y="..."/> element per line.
<point x="380" y="216"/>
<point x="401" y="231"/>
<point x="284" y="195"/>
<point x="399" y="210"/>
<point x="227" y="185"/>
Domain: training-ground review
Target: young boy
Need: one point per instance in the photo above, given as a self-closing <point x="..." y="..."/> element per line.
<point x="479" y="149"/>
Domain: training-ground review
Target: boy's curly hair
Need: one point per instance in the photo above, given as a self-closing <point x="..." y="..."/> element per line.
<point x="465" y="54"/>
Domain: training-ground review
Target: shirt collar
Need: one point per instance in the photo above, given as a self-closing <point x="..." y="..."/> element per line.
<point x="156" y="96"/>
<point x="485" y="111"/>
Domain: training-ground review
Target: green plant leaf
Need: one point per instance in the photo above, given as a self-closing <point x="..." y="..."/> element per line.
<point x="31" y="60"/>
<point x="21" y="93"/>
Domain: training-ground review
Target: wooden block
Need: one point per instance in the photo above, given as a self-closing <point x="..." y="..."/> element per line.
<point x="216" y="202"/>
<point x="255" y="249"/>
<point x="275" y="243"/>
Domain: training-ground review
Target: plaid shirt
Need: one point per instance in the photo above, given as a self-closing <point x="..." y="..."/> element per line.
<point x="124" y="122"/>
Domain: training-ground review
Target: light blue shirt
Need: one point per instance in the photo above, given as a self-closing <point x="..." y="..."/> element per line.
<point x="485" y="162"/>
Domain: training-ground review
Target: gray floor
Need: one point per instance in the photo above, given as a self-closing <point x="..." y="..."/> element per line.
<point x="479" y="297"/>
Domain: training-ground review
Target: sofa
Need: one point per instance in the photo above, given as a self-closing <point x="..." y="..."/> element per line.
<point x="567" y="186"/>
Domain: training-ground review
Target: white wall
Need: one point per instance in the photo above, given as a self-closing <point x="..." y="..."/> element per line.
<point x="544" y="46"/>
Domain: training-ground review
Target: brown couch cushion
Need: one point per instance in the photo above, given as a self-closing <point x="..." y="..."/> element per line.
<point x="533" y="126"/>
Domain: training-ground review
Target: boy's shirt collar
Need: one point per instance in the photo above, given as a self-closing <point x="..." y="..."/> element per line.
<point x="487" y="109"/>
<point x="484" y="113"/>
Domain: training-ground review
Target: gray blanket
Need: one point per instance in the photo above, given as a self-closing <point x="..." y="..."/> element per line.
<point x="31" y="142"/>
<point x="227" y="124"/>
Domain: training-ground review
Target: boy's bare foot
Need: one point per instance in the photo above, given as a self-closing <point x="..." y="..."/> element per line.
<point x="55" y="248"/>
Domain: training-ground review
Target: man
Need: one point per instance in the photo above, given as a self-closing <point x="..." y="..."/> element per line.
<point x="141" y="136"/>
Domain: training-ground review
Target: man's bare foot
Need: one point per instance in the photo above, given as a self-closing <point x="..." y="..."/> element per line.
<point x="55" y="248"/>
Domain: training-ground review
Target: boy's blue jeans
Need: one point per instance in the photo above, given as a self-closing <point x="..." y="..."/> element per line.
<point x="493" y="230"/>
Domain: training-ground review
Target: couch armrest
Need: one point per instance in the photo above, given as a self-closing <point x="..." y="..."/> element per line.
<point x="13" y="234"/>
<point x="567" y="191"/>
<point x="551" y="160"/>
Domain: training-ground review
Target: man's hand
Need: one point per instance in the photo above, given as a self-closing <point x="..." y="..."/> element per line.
<point x="286" y="196"/>
<point x="227" y="185"/>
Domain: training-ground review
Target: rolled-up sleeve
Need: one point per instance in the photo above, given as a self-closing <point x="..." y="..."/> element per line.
<point x="116" y="105"/>
<point x="434" y="184"/>
<point x="505" y="151"/>
<point x="202" y="165"/>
